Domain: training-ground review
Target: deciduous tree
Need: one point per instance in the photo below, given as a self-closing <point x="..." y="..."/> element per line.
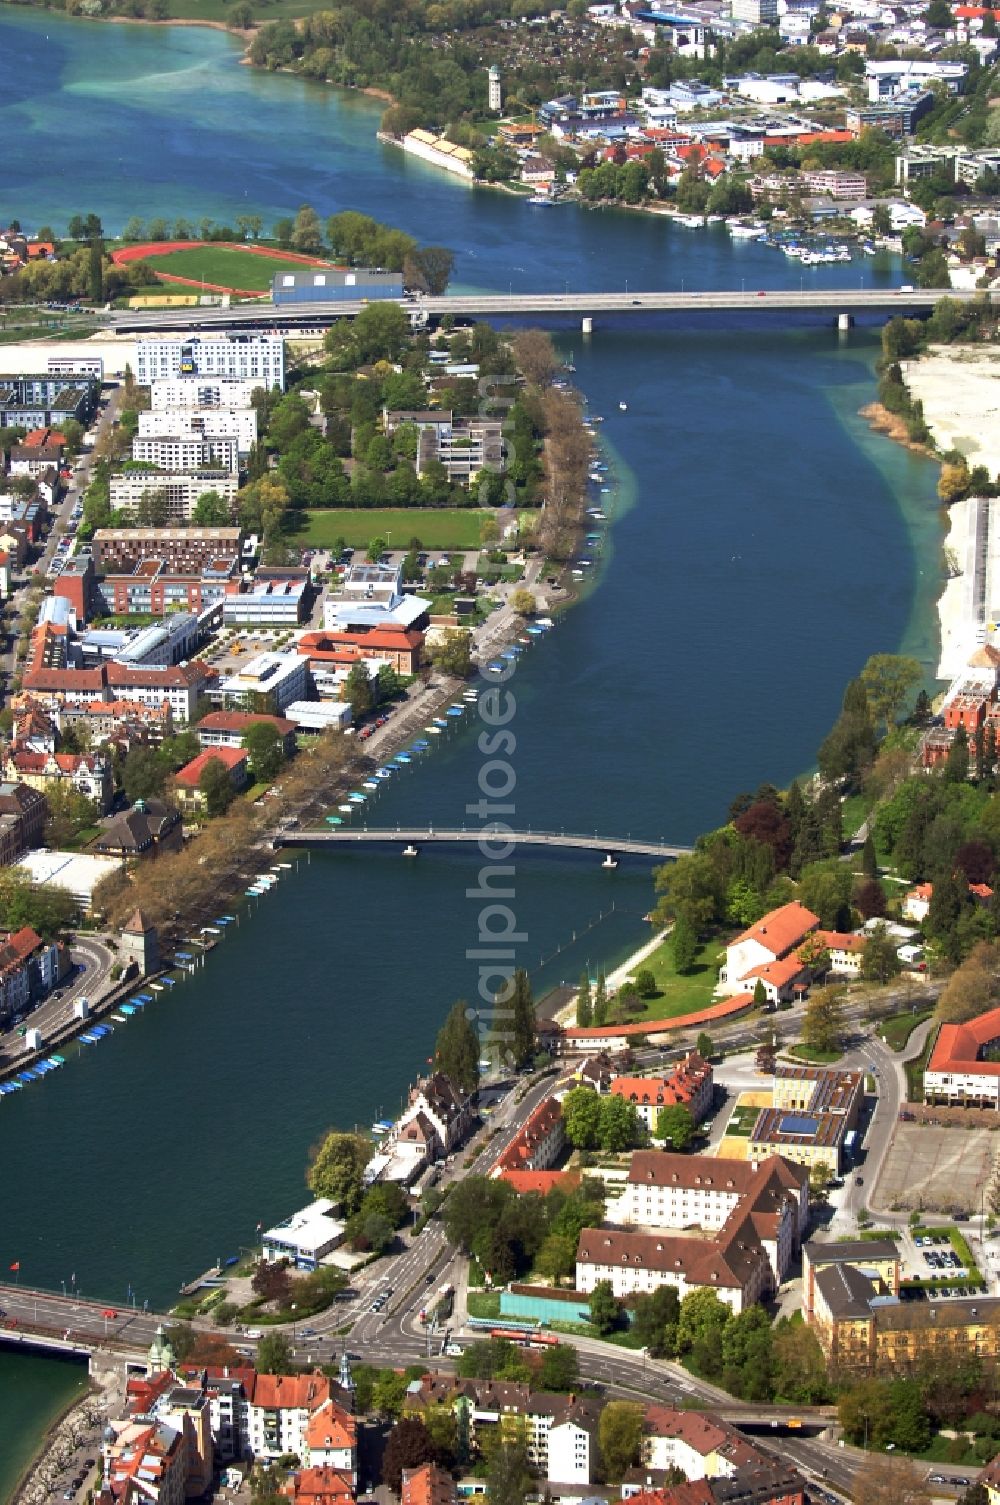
<point x="337" y="1167"/>
<point x="620" y="1432"/>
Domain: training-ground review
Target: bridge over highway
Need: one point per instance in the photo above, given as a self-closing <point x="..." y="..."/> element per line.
<point x="414" y="837"/>
<point x="638" y="303"/>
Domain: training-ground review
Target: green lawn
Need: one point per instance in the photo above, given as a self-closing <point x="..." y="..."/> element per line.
<point x="484" y="1304"/>
<point x="852" y="812"/>
<point x="915" y="1071"/>
<point x="679" y="992"/>
<point x="436" y="527"/>
<point x="897" y="1029"/>
<point x="815" y="1057"/>
<point x="223" y="265"/>
<point x="742" y="1122"/>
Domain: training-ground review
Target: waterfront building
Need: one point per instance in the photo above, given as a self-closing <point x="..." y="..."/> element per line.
<point x="784" y="950"/>
<point x="306" y="1237"/>
<point x="228" y="728"/>
<point x="179" y="491"/>
<point x="139" y="942"/>
<point x="187" y="780"/>
<point x="259" y="358"/>
<point x="436" y="1119"/>
<point x="319" y="715"/>
<point x="756" y="1210"/>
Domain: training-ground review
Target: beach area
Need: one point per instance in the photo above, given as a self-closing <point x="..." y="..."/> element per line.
<point x="959" y="387"/>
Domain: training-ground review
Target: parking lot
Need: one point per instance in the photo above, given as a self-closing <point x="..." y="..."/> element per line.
<point x="938" y="1170"/>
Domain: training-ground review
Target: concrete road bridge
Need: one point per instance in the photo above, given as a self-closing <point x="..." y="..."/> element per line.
<point x="412" y="838"/>
<point x="842" y="303"/>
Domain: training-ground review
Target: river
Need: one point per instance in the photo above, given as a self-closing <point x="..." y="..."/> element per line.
<point x="764" y="543"/>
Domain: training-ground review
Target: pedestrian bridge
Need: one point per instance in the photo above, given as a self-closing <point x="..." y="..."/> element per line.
<point x="415" y="837"/>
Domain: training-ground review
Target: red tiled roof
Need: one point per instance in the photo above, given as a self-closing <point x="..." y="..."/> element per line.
<point x="721" y="1010"/>
<point x="238" y="721"/>
<point x="782" y="929"/>
<point x="319" y="1486"/>
<point x="838" y="940"/>
<point x="957" y="1046"/>
<point x="427" y="1485"/>
<point x="190" y="775"/>
<point x="316" y="643"/>
<point x="542" y="1182"/>
<point x="301" y="1392"/>
<point x="778" y="973"/>
<point x="330" y="1426"/>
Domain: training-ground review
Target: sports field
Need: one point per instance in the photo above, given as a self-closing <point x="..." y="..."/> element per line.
<point x="216" y="267"/>
<point x="436" y="527"/>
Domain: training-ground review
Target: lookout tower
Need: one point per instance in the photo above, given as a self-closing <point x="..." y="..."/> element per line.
<point x="496" y="97"/>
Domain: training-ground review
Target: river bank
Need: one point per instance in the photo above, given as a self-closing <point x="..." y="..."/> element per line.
<point x="957" y="387"/>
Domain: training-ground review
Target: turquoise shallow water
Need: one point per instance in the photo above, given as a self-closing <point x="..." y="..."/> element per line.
<point x="765" y="543"/>
<point x="33" y="1392"/>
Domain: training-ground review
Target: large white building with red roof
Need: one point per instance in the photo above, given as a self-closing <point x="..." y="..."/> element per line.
<point x="751" y="1216"/>
<point x="956" y="1072"/>
<point x="768" y="951"/>
<point x="783" y="952"/>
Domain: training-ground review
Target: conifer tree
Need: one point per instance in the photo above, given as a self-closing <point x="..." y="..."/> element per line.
<point x="584" y="1002"/>
<point x="601" y="1000"/>
<point x="523" y="1023"/>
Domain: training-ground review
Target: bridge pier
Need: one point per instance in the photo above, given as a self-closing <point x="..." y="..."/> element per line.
<point x="610" y="860"/>
<point x="844" y="322"/>
<point x="587" y="324"/>
<point x="410" y="850"/>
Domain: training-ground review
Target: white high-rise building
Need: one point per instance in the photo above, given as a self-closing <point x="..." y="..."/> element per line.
<point x="259" y="358"/>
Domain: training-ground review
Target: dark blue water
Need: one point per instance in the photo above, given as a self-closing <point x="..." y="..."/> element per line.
<point x="764" y="544"/>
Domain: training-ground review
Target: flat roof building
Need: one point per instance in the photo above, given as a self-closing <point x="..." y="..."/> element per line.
<point x="245" y="357"/>
<point x="306" y="1237"/>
